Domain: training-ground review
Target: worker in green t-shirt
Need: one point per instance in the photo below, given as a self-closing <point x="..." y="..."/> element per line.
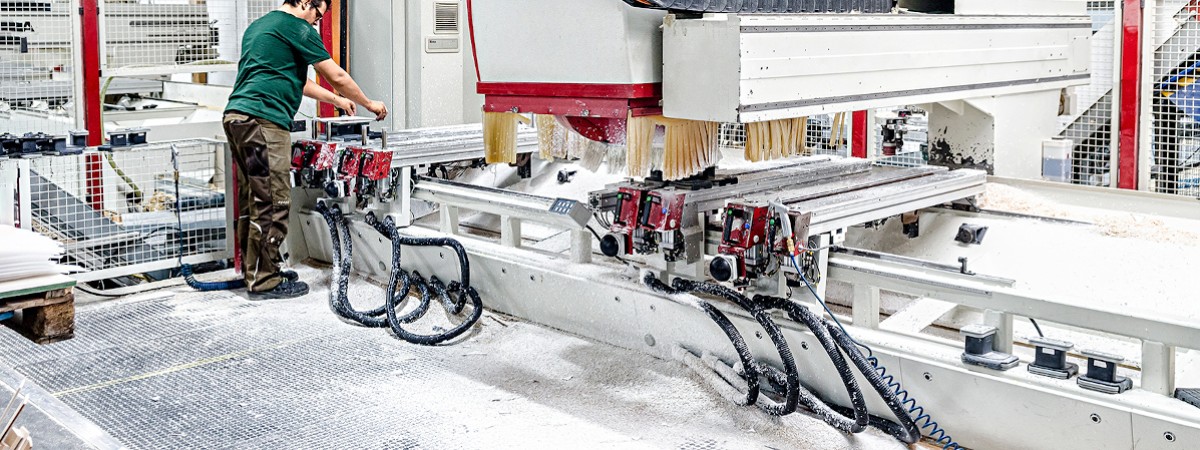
<point x="277" y="50"/>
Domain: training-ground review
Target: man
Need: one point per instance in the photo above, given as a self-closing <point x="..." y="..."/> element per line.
<point x="277" y="50"/>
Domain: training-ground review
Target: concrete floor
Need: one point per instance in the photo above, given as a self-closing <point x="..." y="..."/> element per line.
<point x="179" y="369"/>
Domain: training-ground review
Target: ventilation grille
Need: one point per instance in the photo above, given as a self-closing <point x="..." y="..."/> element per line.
<point x="445" y="17"/>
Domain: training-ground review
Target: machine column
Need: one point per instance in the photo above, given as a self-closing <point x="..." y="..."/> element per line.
<point x="510" y="231"/>
<point x="1004" y="329"/>
<point x="581" y="246"/>
<point x="1158" y="368"/>
<point x="449" y="219"/>
<point x="866" y="306"/>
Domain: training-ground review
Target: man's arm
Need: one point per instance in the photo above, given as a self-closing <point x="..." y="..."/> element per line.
<point x="316" y="92"/>
<point x="345" y="85"/>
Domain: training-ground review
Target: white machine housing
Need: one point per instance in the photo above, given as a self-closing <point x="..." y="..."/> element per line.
<point x="566" y="41"/>
<point x="731" y="68"/>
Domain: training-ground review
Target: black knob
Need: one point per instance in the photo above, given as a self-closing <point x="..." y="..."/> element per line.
<point x="721" y="269"/>
<point x="331" y="189"/>
<point x="610" y="245"/>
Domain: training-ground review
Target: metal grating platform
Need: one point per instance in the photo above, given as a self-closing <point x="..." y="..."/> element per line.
<point x="188" y="370"/>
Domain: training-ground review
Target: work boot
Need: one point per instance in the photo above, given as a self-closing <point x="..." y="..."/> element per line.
<point x="286" y="289"/>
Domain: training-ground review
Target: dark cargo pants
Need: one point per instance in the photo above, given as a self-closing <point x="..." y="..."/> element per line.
<point x="262" y="152"/>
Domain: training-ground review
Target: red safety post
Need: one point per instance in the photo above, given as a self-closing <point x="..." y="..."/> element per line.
<point x="89" y="75"/>
<point x="90" y="72"/>
<point x="94" y="174"/>
<point x="332" y="35"/>
<point x="1131" y="68"/>
<point x="858" y="135"/>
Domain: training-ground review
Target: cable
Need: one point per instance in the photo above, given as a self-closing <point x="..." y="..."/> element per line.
<point x="401" y="283"/>
<point x="790" y="378"/>
<point x="751" y="373"/>
<point x="463" y="286"/>
<point x="185" y="269"/>
<point x="1037" y="327"/>
<point x="343" y="256"/>
<point x="600" y="239"/>
<point x="880" y="379"/>
<point x="594" y="233"/>
<point x="850" y="420"/>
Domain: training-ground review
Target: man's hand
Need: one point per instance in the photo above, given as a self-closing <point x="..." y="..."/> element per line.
<point x="378" y="108"/>
<point x="346" y="105"/>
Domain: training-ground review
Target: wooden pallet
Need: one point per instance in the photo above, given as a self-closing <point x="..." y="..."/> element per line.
<point x="47" y="306"/>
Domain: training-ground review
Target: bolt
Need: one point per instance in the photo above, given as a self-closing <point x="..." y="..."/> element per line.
<point x="1096" y="418"/>
<point x="1169" y="436"/>
<point x="649" y="340"/>
<point x="618" y="299"/>
<point x="804" y="345"/>
<point x="928" y="376"/>
<point x="758" y="334"/>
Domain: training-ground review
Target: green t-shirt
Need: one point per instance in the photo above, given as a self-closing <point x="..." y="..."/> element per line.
<point x="276" y="52"/>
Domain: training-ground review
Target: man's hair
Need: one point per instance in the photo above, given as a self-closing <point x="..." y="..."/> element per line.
<point x="315" y="3"/>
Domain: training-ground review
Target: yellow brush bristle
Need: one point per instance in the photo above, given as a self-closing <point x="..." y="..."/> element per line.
<point x="835" y="138"/>
<point x="547" y="127"/>
<point x="776" y="139"/>
<point x="639" y="142"/>
<point x="500" y="136"/>
<point x="690" y="147"/>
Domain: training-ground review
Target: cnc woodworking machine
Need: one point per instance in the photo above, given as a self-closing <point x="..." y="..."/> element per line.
<point x="718" y="208"/>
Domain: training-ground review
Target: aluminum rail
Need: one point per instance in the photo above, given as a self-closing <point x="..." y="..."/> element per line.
<point x="764" y="183"/>
<point x="859" y="207"/>
<point x="874" y="196"/>
<point x="503" y="203"/>
<point x="445" y="144"/>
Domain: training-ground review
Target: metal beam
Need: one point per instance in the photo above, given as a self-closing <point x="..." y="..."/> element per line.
<point x="984" y="295"/>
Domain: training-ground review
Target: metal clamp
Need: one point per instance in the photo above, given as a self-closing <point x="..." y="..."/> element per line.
<point x="980" y="349"/>
<point x="1102" y="374"/>
<point x="1050" y="359"/>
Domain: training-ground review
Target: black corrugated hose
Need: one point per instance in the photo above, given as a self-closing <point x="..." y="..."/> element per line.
<point x="835" y="342"/>
<point x="400" y="284"/>
<point x="751" y="374"/>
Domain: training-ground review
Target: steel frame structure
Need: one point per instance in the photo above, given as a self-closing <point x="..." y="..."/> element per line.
<point x="983" y="408"/>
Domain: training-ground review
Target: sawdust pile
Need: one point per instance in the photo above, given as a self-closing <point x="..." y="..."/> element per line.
<point x="1000" y="197"/>
<point x="1116" y="224"/>
<point x="1135" y="226"/>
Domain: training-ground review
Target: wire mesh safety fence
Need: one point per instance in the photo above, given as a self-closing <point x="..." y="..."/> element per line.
<point x="37" y="88"/>
<point x="115" y="212"/>
<point x="1089" y="126"/>
<point x="829" y="134"/>
<point x="163" y="37"/>
<point x="146" y="43"/>
<point x="1174" y="126"/>
<point x="825" y="134"/>
<point x="901" y="136"/>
